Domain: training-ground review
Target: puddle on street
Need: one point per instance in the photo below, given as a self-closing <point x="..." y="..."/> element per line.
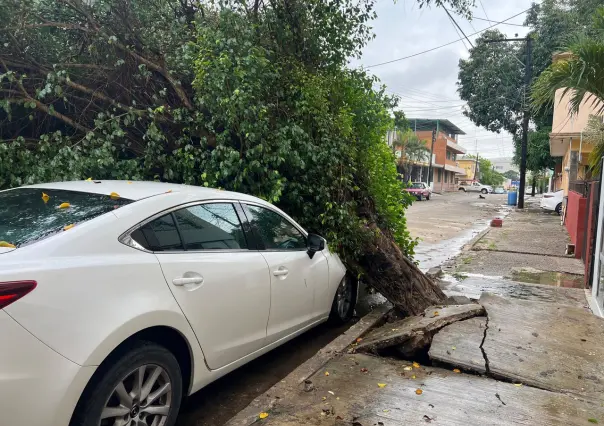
<point x="474" y="285"/>
<point x="556" y="279"/>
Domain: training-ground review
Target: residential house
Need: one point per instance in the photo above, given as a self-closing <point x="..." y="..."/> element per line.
<point x="571" y="173"/>
<point x="445" y="170"/>
<point x="471" y="168"/>
<point x="566" y="140"/>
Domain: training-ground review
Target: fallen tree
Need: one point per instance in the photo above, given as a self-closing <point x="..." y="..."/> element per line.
<point x="247" y="96"/>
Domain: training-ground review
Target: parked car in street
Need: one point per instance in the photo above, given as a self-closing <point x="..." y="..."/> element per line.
<point x="420" y="189"/>
<point x="552" y="201"/>
<point x="475" y="187"/>
<point x="117" y="299"/>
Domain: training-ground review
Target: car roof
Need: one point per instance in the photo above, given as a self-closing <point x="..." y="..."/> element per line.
<point x="137" y="190"/>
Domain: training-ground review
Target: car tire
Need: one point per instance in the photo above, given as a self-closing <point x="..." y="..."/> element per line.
<point x="344" y="302"/>
<point x="559" y="209"/>
<point x="427" y="198"/>
<point x="101" y="394"/>
<point x="462" y="189"/>
<point x="484" y="191"/>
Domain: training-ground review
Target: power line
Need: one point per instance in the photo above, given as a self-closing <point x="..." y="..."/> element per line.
<point x="446" y="44"/>
<point x="458" y="35"/>
<point x="484" y="10"/>
<point x="457" y="25"/>
<point x="504" y="23"/>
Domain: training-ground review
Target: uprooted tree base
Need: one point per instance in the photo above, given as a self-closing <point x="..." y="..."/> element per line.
<point x="397" y="278"/>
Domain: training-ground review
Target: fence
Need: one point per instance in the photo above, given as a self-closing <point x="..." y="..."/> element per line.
<point x="580" y="187"/>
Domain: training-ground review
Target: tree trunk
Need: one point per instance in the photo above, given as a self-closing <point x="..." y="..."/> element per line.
<point x="533" y="187"/>
<point x="397" y="278"/>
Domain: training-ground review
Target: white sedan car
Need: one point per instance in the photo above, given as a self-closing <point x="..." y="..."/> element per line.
<point x="552" y="201"/>
<point x="119" y="298"/>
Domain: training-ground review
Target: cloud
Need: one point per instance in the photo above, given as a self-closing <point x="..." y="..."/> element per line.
<point x="427" y="82"/>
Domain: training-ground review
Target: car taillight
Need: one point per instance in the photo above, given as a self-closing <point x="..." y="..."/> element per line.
<point x="14" y="290"/>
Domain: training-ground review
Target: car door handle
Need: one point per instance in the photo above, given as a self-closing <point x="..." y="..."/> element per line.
<point x="187" y="280"/>
<point x="281" y="272"/>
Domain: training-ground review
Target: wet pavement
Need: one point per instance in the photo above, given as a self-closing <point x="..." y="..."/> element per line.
<point x="540" y="364"/>
<point x="530" y="247"/>
<point x="473" y="285"/>
<point x="446" y="223"/>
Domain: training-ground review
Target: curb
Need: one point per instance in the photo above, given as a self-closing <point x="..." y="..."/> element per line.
<point x="472" y="243"/>
<point x="271" y="397"/>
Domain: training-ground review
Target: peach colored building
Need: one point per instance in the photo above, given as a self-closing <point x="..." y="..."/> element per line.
<point x="566" y="139"/>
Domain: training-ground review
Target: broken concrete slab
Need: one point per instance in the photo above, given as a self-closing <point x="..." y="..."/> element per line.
<point x="435" y="272"/>
<point x="363" y="390"/>
<point x="458" y="345"/>
<point x="553" y="347"/>
<point x="433" y="319"/>
<point x="459" y="300"/>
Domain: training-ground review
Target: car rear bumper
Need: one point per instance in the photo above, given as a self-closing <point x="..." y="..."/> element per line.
<point x="38" y="387"/>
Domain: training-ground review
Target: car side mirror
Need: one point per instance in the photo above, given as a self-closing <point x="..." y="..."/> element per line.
<point x="315" y="244"/>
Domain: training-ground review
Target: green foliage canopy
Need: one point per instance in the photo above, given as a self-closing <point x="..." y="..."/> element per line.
<point x="252" y="97"/>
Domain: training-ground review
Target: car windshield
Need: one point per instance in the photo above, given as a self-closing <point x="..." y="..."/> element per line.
<point x="417" y="186"/>
<point x="31" y="214"/>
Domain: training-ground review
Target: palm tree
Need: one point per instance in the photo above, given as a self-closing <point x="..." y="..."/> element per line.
<point x="413" y="151"/>
<point x="581" y="74"/>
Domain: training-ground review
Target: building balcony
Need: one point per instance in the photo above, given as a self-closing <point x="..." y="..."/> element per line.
<point x="456" y="169"/>
<point x="456" y="148"/>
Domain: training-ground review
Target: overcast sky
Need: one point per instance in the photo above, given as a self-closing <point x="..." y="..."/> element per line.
<point x="427" y="82"/>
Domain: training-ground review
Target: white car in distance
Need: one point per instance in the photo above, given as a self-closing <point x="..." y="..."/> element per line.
<point x="475" y="187"/>
<point x="552" y="201"/>
<point x="119" y="298"/>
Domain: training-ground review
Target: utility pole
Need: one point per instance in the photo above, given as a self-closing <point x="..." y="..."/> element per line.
<point x="476" y="167"/>
<point x="525" y="121"/>
<point x="526" y="118"/>
<point x="434" y="134"/>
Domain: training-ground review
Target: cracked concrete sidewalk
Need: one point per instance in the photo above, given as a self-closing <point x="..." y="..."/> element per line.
<point x="533" y="356"/>
<point x="523" y="363"/>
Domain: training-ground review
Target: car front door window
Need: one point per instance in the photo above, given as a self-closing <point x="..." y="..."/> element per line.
<point x="276" y="232"/>
<point x="296" y="279"/>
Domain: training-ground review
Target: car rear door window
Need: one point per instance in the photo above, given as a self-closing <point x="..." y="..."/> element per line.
<point x="160" y="234"/>
<point x="276" y="232"/>
<point x="28" y="215"/>
<point x="213" y="226"/>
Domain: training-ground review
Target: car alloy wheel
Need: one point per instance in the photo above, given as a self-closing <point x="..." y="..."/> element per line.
<point x="344" y="298"/>
<point x="142" y="398"/>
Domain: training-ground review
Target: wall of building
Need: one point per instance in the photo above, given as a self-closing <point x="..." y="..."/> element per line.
<point x="469" y="166"/>
<point x="575" y="220"/>
<point x="564" y="121"/>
